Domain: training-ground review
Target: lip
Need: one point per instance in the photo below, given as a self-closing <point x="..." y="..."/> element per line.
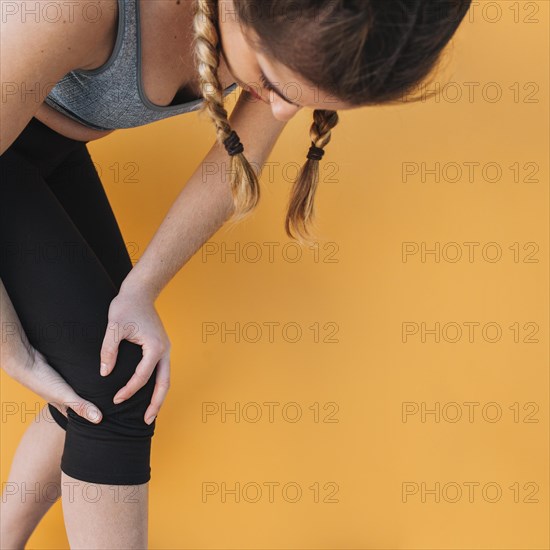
<point x="254" y="94"/>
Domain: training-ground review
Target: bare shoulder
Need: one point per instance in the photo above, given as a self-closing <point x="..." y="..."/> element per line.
<point x="75" y="31"/>
<point x="40" y="42"/>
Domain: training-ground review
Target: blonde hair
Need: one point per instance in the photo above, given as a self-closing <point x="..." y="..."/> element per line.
<point x="244" y="183"/>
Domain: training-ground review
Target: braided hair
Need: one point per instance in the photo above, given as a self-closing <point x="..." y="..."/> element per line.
<point x="364" y="52"/>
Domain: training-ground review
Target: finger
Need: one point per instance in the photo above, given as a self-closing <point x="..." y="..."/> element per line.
<point x="162" y="385"/>
<point x="62" y="410"/>
<point x="139" y="378"/>
<point x="80" y="406"/>
<point x="87" y="410"/>
<point x="109" y="348"/>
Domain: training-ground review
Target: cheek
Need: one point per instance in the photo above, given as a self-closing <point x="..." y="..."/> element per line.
<point x="241" y="58"/>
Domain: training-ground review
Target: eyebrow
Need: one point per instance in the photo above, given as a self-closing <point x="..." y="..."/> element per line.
<point x="275" y="89"/>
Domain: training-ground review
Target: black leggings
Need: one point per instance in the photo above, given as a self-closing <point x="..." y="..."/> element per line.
<point x="62" y="261"/>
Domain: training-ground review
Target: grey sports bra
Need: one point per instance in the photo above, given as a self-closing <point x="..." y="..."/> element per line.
<point x="111" y="96"/>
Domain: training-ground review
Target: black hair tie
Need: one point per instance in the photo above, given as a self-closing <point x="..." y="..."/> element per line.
<point x="233" y="144"/>
<point x="315" y="153"/>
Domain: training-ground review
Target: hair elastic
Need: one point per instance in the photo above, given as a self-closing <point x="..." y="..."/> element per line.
<point x="233" y="144"/>
<point x="315" y="153"/>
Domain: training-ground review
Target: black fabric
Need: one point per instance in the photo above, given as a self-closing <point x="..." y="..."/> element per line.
<point x="62" y="261"/>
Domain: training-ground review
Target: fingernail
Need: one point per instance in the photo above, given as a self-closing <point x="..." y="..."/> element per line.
<point x="118" y="400"/>
<point x="149" y="419"/>
<point x="94" y="415"/>
<point x="103" y="369"/>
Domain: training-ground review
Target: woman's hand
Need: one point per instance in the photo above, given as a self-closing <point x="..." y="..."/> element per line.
<point x="35" y="373"/>
<point x="133" y="317"/>
<point x="29" y="367"/>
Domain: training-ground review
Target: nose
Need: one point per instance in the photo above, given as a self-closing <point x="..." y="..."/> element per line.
<point x="282" y="110"/>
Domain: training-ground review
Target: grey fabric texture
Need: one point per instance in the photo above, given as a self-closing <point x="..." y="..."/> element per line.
<point x="112" y="96"/>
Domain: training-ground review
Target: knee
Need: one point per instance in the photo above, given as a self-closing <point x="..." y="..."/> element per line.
<point x="117" y="450"/>
<point x="83" y="375"/>
<point x="127" y="418"/>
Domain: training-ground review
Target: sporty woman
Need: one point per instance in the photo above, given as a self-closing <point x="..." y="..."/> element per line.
<point x="73" y="72"/>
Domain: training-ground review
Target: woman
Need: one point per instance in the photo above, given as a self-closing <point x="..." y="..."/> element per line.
<point x="138" y="62"/>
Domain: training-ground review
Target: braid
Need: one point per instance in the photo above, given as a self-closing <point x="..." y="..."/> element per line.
<point x="301" y="204"/>
<point x="244" y="182"/>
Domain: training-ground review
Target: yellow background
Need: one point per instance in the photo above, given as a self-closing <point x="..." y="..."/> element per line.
<point x="359" y="284"/>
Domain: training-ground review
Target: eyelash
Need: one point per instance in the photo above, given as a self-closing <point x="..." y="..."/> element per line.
<point x="265" y="83"/>
<point x="268" y="86"/>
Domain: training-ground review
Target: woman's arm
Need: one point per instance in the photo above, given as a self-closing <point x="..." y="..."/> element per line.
<point x="29" y="367"/>
<point x="37" y="51"/>
<point x="198" y="212"/>
<point x="205" y="203"/>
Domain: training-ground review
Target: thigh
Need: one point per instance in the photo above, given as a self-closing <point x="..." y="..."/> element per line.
<point x="58" y="286"/>
<point x="78" y="188"/>
<point x="62" y="292"/>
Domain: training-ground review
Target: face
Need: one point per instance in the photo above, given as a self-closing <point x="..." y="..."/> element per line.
<point x="264" y="78"/>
